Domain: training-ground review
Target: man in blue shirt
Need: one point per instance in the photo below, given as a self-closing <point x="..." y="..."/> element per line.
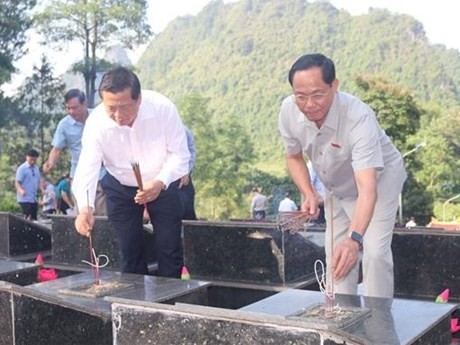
<point x="68" y="135"/>
<point x="27" y="182"/>
<point x="186" y="188"/>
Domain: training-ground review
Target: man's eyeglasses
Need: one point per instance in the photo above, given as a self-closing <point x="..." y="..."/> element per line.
<point x="317" y="97"/>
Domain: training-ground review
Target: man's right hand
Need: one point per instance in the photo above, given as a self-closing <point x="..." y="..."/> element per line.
<point x="84" y="222"/>
<point x="47" y="166"/>
<point x="310" y="205"/>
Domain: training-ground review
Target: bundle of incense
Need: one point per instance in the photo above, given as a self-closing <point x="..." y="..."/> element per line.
<point x="137" y="174"/>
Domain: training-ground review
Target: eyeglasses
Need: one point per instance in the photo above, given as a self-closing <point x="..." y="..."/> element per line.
<point x="317" y="97"/>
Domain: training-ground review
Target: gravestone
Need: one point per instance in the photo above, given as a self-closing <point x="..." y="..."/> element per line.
<point x="46" y="313"/>
<point x="19" y="273"/>
<point x="20" y="238"/>
<point x="249" y="252"/>
<point x="281" y="319"/>
<point x="426" y="262"/>
<point x="70" y="248"/>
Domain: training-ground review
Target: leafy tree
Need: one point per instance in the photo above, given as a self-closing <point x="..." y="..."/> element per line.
<point x="40" y="103"/>
<point x="395" y="108"/>
<point x="96" y="24"/>
<point x="7" y="188"/>
<point x="224" y="153"/>
<point x="399" y="116"/>
<point x="14" y="23"/>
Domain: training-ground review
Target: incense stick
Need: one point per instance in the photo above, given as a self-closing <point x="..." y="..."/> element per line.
<point x="92" y="254"/>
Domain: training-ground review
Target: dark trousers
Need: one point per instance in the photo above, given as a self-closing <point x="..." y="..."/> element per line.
<point x="126" y="219"/>
<point x="187" y="196"/>
<point x="29" y="210"/>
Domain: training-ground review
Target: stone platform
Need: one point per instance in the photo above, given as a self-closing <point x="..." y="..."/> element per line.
<point x="70" y="248"/>
<point x="22" y="239"/>
<point x="276" y="320"/>
<point x="251" y="252"/>
<point x="45" y="313"/>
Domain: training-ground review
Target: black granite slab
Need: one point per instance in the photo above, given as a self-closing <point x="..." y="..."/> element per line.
<point x="29" y="317"/>
<point x="19" y="236"/>
<point x="19" y="273"/>
<point x="250" y="252"/>
<point x="6" y="317"/>
<point x="392" y="322"/>
<point x="40" y="314"/>
<point x="137" y="323"/>
<point x="426" y="262"/>
<point x="137" y="287"/>
<point x="70" y="248"/>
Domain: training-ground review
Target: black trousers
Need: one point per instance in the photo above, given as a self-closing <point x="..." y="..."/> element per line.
<point x="187" y="195"/>
<point x="126" y="219"/>
<point x="29" y="210"/>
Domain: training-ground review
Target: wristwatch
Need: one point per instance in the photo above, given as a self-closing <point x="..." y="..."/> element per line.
<point x="356" y="236"/>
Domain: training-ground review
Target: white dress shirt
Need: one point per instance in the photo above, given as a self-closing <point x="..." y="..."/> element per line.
<point x="287" y="205"/>
<point x="156" y="140"/>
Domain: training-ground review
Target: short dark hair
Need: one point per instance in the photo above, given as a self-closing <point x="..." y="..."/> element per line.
<point x="75" y="93"/>
<point x="314" y="60"/>
<point x="32" y="153"/>
<point x="119" y="79"/>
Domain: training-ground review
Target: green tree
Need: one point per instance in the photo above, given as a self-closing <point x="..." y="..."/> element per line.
<point x="399" y="115"/>
<point x="40" y="103"/>
<point x="224" y="154"/>
<point x="96" y="24"/>
<point x="395" y="108"/>
<point x="14" y="23"/>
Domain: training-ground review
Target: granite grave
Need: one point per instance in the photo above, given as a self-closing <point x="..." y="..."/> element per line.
<point x="20" y="238"/>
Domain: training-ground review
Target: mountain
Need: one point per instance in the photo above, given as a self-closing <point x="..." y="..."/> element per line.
<point x="238" y="56"/>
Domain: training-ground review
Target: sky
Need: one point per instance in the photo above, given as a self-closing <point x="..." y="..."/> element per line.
<point x="439" y="19"/>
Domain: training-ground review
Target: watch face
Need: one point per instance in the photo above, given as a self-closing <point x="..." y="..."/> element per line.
<point x="355" y="236"/>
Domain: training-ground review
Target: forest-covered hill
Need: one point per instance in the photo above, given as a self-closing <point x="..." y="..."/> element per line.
<point x="237" y="55"/>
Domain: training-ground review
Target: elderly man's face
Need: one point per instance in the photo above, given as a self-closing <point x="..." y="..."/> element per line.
<point x="312" y="95"/>
<point x="120" y="106"/>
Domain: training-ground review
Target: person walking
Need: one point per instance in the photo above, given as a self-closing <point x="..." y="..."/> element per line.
<point x="27" y="183"/>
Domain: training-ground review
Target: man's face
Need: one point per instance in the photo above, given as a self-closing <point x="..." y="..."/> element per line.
<point x="77" y="110"/>
<point x="121" y="107"/>
<point x="313" y="96"/>
<point x="31" y="160"/>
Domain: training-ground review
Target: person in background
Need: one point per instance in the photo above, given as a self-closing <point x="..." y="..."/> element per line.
<point x="64" y="202"/>
<point x="321" y="194"/>
<point x="48" y="201"/>
<point x="259" y="205"/>
<point x="287" y="205"/>
<point x="186" y="188"/>
<point x="362" y="171"/>
<point x="27" y="183"/>
<point x="411" y="223"/>
<point x="68" y="135"/>
<point x="140" y="131"/>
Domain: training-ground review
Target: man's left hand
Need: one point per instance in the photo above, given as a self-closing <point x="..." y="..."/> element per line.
<point x="344" y="257"/>
<point x="151" y="191"/>
<point x="184" y="180"/>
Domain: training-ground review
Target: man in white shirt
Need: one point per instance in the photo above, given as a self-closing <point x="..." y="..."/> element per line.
<point x="129" y="128"/>
<point x="287" y="205"/>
